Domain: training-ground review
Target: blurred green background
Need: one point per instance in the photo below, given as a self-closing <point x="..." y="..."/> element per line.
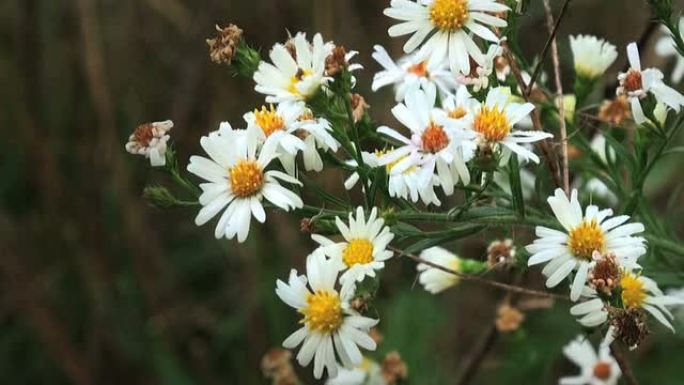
<point x="97" y="287"/>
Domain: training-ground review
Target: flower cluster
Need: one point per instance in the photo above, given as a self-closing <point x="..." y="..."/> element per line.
<point x="474" y="130"/>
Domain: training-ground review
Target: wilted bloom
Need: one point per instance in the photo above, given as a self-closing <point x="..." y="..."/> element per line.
<point x="410" y="72"/>
<point x="572" y="249"/>
<point x="237" y="177"/>
<point x="592" y="55"/>
<point x="665" y="46"/>
<point x="363" y="250"/>
<point x="329" y="325"/>
<point x="293" y="78"/>
<point x="223" y="47"/>
<point x="604" y="275"/>
<point x="149" y="140"/>
<point x="640" y="292"/>
<point x="500" y="252"/>
<point x="615" y="111"/>
<point x="508" y="319"/>
<point x="637" y="83"/>
<point x="596" y="368"/>
<point x="447" y="27"/>
<point x="394" y="369"/>
<point x="629" y="326"/>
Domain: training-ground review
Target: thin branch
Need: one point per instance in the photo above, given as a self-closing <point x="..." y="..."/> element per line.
<point x="559" y="96"/>
<point x="545" y="50"/>
<point x="474" y="278"/>
<point x="483" y="347"/>
<point x="626" y="369"/>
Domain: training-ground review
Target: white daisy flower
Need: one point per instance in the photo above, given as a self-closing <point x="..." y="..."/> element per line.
<point x="149" y="140"/>
<point x="368" y="373"/>
<point x="331" y="328"/>
<point x="293" y="78"/>
<point x="437" y="143"/>
<point x="637" y="83"/>
<point x="592" y="55"/>
<point x="572" y="249"/>
<point x="449" y="24"/>
<point x="642" y="292"/>
<point x="403" y="185"/>
<point x="411" y="72"/>
<point x="596" y="368"/>
<point x="665" y="46"/>
<point x="494" y="120"/>
<point x="279" y="125"/>
<point x="363" y="251"/>
<point x="237" y="178"/>
<point x="436" y="280"/>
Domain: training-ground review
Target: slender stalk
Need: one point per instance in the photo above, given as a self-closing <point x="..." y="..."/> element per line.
<point x="474" y="278"/>
<point x="545" y="50"/>
<point x="480" y="351"/>
<point x="559" y="98"/>
<point x="626" y="369"/>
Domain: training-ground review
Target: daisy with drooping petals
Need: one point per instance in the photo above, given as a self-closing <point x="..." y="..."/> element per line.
<point x="410" y="72"/>
<point x="573" y="248"/>
<point x="665" y="46"/>
<point x="149" y="140"/>
<point x="592" y="55"/>
<point x="448" y="23"/>
<point x="295" y="75"/>
<point x="331" y="328"/>
<point x="363" y="251"/>
<point x="279" y="125"/>
<point x="637" y="83"/>
<point x="317" y="137"/>
<point x="494" y="120"/>
<point x="596" y="369"/>
<point x="437" y="143"/>
<point x="237" y="178"/>
<point x="478" y="77"/>
<point x="435" y="280"/>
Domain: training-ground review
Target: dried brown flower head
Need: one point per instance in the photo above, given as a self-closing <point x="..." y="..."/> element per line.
<point x="306" y="226"/>
<point x="616" y="111"/>
<point x="630" y="325"/>
<point x="509" y="319"/>
<point x="376" y="336"/>
<point x="605" y="275"/>
<point x="222" y="48"/>
<point x="574" y="153"/>
<point x="336" y="61"/>
<point x="276" y="365"/>
<point x="359" y="107"/>
<point x="394" y="369"/>
<point x="500" y="252"/>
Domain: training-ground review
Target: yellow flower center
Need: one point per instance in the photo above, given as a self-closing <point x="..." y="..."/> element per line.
<point x="633" y="294"/>
<point x="323" y="311"/>
<point x="294" y="80"/>
<point x="419" y="69"/>
<point x="269" y="120"/>
<point x="358" y="251"/>
<point x="586" y="238"/>
<point x="456" y="113"/>
<point x="449" y="15"/>
<point x="434" y="138"/>
<point x="492" y="124"/>
<point x="246" y="178"/>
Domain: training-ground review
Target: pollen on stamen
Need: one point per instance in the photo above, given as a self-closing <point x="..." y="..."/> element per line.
<point x="434" y="138"/>
<point x="633" y="294"/>
<point x="246" y="178"/>
<point x="323" y="311"/>
<point x="632" y="81"/>
<point x="358" y="251"/>
<point x="269" y="120"/>
<point x="457" y="113"/>
<point x="586" y="238"/>
<point x="492" y="124"/>
<point x="449" y="15"/>
<point x="602" y="370"/>
<point x="144" y="133"/>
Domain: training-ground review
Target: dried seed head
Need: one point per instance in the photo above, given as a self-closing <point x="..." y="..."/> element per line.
<point x="276" y="365"/>
<point x="306" y="226"/>
<point x="500" y="252"/>
<point x="605" y="275"/>
<point x="630" y="325"/>
<point x="223" y="47"/>
<point x="336" y="61"/>
<point x="509" y="319"/>
<point x="615" y="111"/>
<point x="359" y="107"/>
<point x="376" y="336"/>
<point x="394" y="369"/>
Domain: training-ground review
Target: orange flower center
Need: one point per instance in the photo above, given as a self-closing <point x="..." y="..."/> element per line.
<point x="269" y="120"/>
<point x="246" y="178"/>
<point x="602" y="371"/>
<point x="144" y="133"/>
<point x="632" y="80"/>
<point x="419" y="69"/>
<point x="457" y="113"/>
<point x="434" y="138"/>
